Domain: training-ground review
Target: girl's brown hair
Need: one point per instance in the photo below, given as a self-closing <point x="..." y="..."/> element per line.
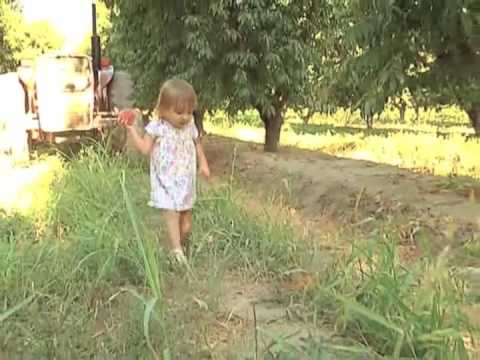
<point x="176" y="97"/>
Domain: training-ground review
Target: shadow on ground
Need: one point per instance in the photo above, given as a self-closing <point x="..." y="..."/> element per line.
<point x="323" y="129"/>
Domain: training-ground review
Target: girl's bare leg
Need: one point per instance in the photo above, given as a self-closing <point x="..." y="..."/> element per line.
<point x="172" y="221"/>
<point x="185" y="226"/>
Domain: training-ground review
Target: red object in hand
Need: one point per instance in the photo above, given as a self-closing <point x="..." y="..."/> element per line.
<point x="105" y="63"/>
<point x="126" y="117"/>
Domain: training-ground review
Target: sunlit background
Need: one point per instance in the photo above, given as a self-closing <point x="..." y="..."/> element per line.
<point x="71" y="18"/>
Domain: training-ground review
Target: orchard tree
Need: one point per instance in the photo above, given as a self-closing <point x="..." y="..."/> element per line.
<point x="335" y="87"/>
<point x="20" y="40"/>
<point x="39" y="37"/>
<point x="259" y="54"/>
<point x="430" y="47"/>
<point x="10" y="42"/>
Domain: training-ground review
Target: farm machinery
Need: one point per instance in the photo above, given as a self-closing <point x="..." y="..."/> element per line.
<point x="62" y="96"/>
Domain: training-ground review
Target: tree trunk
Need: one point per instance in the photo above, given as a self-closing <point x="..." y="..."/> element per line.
<point x="474" y="115"/>
<point x="273" y="126"/>
<point x="369" y="121"/>
<point x="417" y="114"/>
<point x="401" y="106"/>
<point x="403" y="110"/>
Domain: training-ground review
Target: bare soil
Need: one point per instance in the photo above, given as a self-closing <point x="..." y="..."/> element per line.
<point x="329" y="193"/>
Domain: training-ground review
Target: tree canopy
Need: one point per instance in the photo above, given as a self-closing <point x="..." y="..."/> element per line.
<point x="259" y="54"/>
<point x="270" y="54"/>
<point x="20" y="40"/>
<point x="431" y="48"/>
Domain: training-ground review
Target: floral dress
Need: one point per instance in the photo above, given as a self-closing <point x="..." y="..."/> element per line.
<point x="173" y="166"/>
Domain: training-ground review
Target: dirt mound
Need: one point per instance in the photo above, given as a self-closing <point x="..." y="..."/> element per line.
<point x="351" y="192"/>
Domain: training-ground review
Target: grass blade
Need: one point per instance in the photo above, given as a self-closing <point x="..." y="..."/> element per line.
<point x="16" y="308"/>
<point x="149" y="306"/>
<point x="365" y="312"/>
<point x="147" y="252"/>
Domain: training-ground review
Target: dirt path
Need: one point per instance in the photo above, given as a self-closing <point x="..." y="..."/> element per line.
<point x="350" y="191"/>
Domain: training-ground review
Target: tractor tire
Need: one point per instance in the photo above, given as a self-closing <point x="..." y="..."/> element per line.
<point x="121" y="91"/>
<point x="121" y="97"/>
<point x="14" y="140"/>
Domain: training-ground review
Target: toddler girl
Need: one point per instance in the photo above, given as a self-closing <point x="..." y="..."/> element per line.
<point x="173" y="144"/>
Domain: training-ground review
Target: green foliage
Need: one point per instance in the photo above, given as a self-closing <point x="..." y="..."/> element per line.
<point x="9" y="15"/>
<point x="104" y="28"/>
<point x="91" y="256"/>
<point x="9" y="39"/>
<point x="242" y="52"/>
<point x="20" y="40"/>
<point x="39" y="38"/>
<point x="400" y="311"/>
<point x="238" y="54"/>
<point x="428" y="47"/>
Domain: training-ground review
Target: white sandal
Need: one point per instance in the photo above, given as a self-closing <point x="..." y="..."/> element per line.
<point x="179" y="256"/>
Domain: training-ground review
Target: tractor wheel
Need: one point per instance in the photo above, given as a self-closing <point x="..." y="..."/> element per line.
<point x="121" y="91"/>
<point x="14" y="139"/>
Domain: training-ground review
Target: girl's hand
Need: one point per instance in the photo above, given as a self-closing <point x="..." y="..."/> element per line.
<point x="203" y="167"/>
<point x="126" y="117"/>
<point x="204" y="171"/>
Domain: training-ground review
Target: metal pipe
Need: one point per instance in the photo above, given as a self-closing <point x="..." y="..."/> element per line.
<point x="94" y="18"/>
<point x="96" y="47"/>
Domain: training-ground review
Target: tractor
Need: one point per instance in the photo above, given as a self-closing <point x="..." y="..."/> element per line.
<point x="61" y="96"/>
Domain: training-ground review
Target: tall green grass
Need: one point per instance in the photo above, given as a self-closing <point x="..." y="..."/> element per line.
<point x="402" y="311"/>
<point x="227" y="230"/>
<point x="85" y="252"/>
<point x="100" y="255"/>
